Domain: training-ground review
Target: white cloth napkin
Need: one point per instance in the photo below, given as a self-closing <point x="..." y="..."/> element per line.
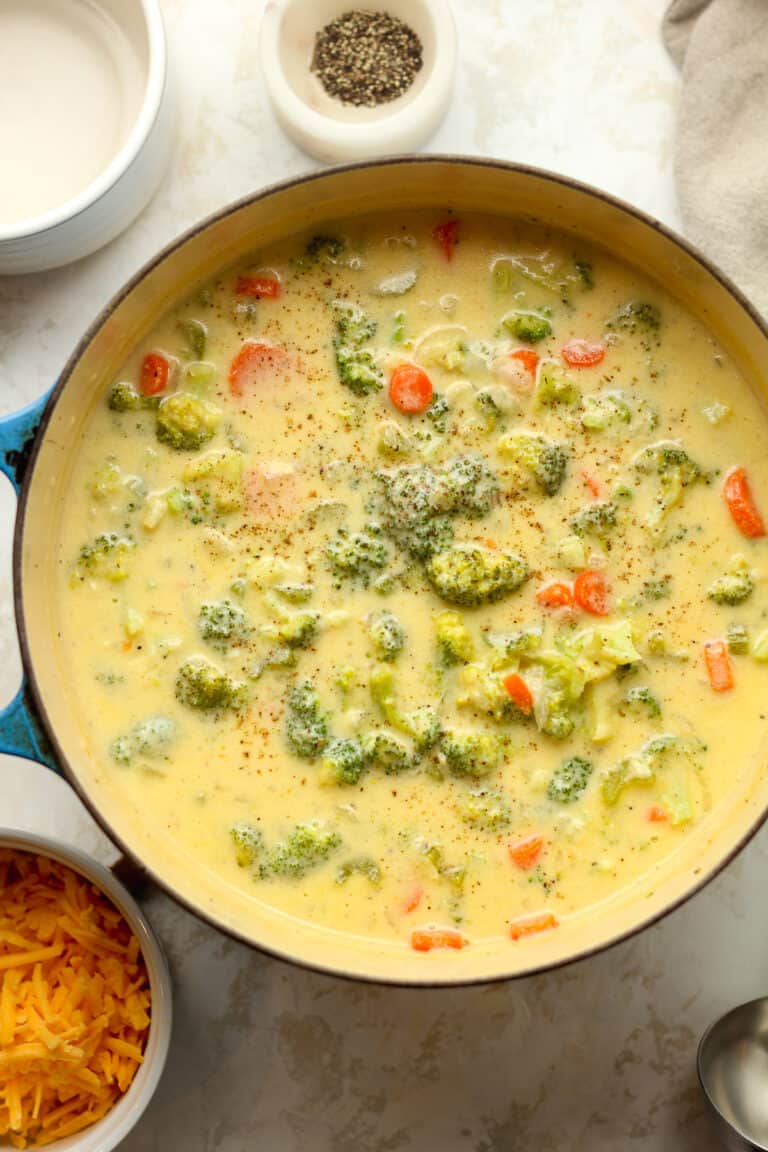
<point x="721" y="158"/>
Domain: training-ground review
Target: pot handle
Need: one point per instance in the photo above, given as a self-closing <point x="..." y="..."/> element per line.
<point x="21" y="733"/>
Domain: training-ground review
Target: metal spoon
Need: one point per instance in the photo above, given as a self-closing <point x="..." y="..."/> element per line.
<point x="733" y="1072"/>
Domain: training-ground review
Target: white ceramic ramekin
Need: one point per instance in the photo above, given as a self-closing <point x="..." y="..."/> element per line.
<point x="108" y="1132"/>
<point x="111" y="201"/>
<point x="329" y="130"/>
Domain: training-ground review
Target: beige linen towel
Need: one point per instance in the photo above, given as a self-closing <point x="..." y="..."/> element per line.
<point x="721" y="159"/>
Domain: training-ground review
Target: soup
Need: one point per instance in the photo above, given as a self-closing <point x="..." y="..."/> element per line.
<point x="411" y="582"/>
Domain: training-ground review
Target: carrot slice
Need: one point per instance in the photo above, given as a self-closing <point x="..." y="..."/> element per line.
<point x="527" y="357"/>
<point x="519" y="692"/>
<point x="591" y="483"/>
<point x="555" y="595"/>
<point x="657" y="815"/>
<point x="524" y="853"/>
<point x="446" y="235"/>
<point x="582" y="353"/>
<point x="410" y="389"/>
<point x="155" y="372"/>
<point x="256" y="362"/>
<point x="590" y="591"/>
<point x="262" y="287"/>
<point x="413" y="899"/>
<point x="719" y="667"/>
<point x="742" y="507"/>
<point x="426" y="939"/>
<point x="529" y="925"/>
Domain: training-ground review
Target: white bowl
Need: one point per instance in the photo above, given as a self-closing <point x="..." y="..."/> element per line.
<point x="330" y="130"/>
<point x="111" y="201"/>
<point x="108" y="1132"/>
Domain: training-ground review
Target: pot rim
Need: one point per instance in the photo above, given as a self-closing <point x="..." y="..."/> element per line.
<point x="18" y="593"/>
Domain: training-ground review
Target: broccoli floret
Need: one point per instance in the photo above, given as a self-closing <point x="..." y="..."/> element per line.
<point x="485" y="692"/>
<point x="294" y="592"/>
<point x="356" y="365"/>
<point x="638" y="768"/>
<point x="734" y="586"/>
<point x="546" y="460"/>
<point x="299" y="629"/>
<point x="323" y="245"/>
<point x="641" y="699"/>
<point x="636" y="316"/>
<point x="569" y="781"/>
<point x="107" y="557"/>
<point x="470" y="752"/>
<point x="382" y="687"/>
<point x="675" y="471"/>
<point x="530" y="327"/>
<point x="344" y="760"/>
<point x="598" y="520"/>
<point x="359" y="866"/>
<point x="417" y="502"/>
<point x="555" y="387"/>
<point x="510" y="646"/>
<point x="196" y="335"/>
<point x="484" y="808"/>
<point x="737" y="638"/>
<point x="423" y="725"/>
<point x="437" y="413"/>
<point x="604" y="410"/>
<point x="248" y="842"/>
<point x="388" y="752"/>
<point x="470" y="574"/>
<point x="151" y="738"/>
<point x="473" y="487"/>
<point x="223" y="624"/>
<point x="203" y="686"/>
<point x="306" y="725"/>
<point x="454" y="639"/>
<point x="387" y="635"/>
<point x="355" y="555"/>
<point x="124" y="397"/>
<point x="186" y="422"/>
<point x="307" y="846"/>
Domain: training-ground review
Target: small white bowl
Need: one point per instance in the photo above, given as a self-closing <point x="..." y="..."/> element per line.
<point x="115" y="197"/>
<point x="108" y="1132"/>
<point x="322" y="125"/>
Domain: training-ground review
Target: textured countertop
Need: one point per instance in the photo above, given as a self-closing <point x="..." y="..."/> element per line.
<point x="599" y="1056"/>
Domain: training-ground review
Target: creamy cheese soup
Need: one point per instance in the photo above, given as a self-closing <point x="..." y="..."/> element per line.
<point x="412" y="579"/>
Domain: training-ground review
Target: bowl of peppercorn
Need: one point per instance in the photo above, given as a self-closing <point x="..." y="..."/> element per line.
<point x="357" y="83"/>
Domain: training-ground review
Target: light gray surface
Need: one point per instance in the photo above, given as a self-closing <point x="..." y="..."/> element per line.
<point x="599" y="1056"/>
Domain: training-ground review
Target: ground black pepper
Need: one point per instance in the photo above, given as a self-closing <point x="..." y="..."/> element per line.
<point x="366" y="58"/>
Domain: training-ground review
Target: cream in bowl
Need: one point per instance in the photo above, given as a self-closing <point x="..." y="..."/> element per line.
<point x="82" y="88"/>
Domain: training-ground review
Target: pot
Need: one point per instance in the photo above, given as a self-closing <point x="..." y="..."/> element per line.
<point x="37" y="447"/>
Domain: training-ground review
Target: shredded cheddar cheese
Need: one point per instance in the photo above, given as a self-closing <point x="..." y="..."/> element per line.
<point x="74" y="1001"/>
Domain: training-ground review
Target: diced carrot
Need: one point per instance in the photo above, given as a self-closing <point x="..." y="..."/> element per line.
<point x="527" y="357"/>
<point x="590" y="591"/>
<point x="519" y="692"/>
<point x="529" y="925"/>
<point x="719" y="667"/>
<point x="425" y="939"/>
<point x="742" y="507"/>
<point x="410" y="389"/>
<point x="155" y="373"/>
<point x="555" y="595"/>
<point x="524" y="853"/>
<point x="657" y="815"/>
<point x="262" y="287"/>
<point x="590" y="482"/>
<point x="446" y="235"/>
<point x="412" y="898"/>
<point x="491" y="543"/>
<point x="256" y="362"/>
<point x="582" y="353"/>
